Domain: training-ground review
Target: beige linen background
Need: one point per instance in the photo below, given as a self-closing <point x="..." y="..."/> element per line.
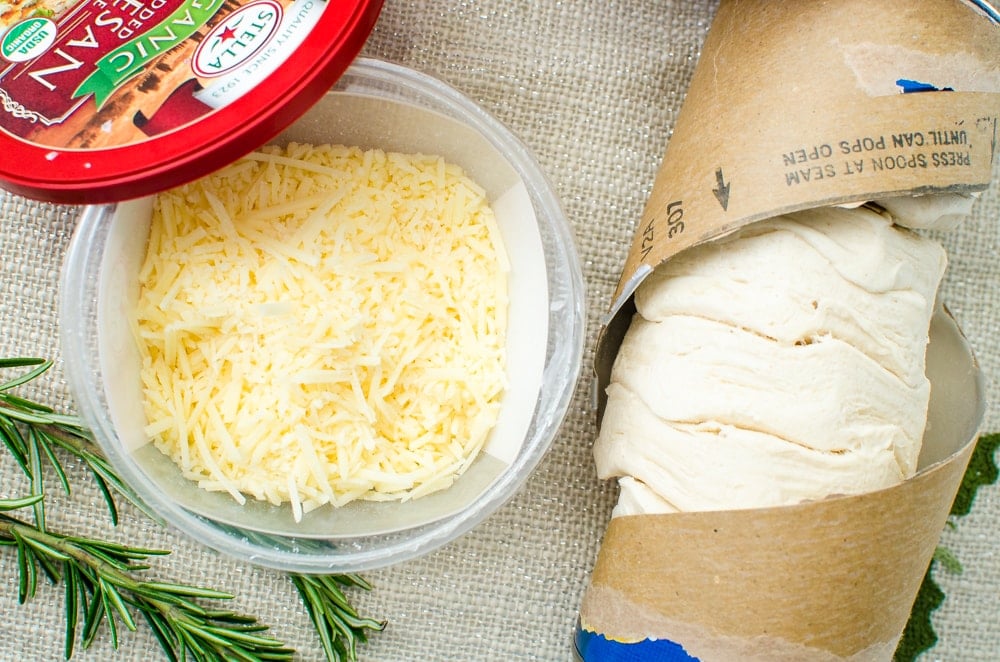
<point x="592" y="88"/>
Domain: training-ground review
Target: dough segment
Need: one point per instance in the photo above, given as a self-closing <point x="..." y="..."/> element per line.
<point x="782" y="363"/>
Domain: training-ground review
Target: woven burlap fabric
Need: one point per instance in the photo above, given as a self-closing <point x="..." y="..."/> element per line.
<point x="592" y="88"/>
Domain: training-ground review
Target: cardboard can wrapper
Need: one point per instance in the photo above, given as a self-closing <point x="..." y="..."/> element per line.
<point x="794" y="106"/>
<point x="826" y="580"/>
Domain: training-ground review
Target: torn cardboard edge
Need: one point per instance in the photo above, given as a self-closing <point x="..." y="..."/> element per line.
<point x="793" y="107"/>
<point x="776" y="595"/>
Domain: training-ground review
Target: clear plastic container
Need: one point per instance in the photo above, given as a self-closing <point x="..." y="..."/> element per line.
<point x="375" y="104"/>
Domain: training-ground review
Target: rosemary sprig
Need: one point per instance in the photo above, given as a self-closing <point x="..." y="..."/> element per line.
<point x="33" y="432"/>
<point x="339" y="627"/>
<point x="101" y="582"/>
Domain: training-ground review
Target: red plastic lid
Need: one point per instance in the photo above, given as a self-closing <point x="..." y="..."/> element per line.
<point x="106" y="100"/>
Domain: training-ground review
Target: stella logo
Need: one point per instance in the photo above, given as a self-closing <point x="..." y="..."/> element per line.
<point x="237" y="39"/>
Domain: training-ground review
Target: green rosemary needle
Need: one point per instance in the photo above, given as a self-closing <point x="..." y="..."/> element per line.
<point x="99" y="577"/>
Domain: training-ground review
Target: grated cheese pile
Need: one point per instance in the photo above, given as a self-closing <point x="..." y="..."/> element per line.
<point x="320" y="324"/>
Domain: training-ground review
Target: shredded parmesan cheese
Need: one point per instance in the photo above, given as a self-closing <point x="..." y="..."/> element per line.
<point x="319" y="324"/>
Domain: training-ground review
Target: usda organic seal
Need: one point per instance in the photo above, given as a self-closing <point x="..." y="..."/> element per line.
<point x="28" y="39"/>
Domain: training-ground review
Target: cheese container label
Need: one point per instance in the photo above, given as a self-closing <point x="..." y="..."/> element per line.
<point x="110" y="100"/>
<point x="115" y="72"/>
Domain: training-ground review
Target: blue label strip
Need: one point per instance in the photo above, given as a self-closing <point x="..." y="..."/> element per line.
<point x="908" y="86"/>
<point x="988" y="9"/>
<point x="594" y="647"/>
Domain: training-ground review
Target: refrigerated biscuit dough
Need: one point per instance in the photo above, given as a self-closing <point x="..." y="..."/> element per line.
<point x="716" y="466"/>
<point x="942" y="211"/>
<point x="780" y="364"/>
<point x="849" y="274"/>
